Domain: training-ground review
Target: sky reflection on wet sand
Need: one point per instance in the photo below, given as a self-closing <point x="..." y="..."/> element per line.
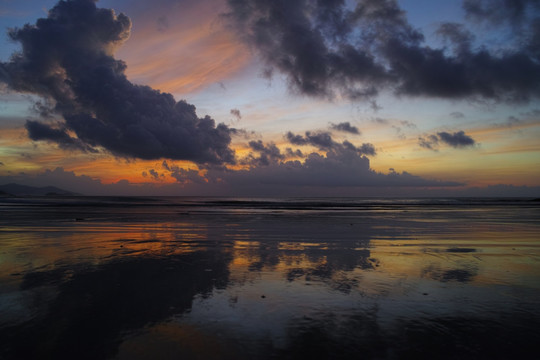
<point x="159" y="282"/>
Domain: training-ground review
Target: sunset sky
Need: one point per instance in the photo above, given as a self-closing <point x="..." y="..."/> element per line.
<point x="267" y="98"/>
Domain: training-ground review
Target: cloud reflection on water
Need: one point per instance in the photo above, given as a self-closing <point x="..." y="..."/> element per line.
<point x="166" y="283"/>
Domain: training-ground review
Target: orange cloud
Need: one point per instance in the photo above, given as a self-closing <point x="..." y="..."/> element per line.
<point x="185" y="56"/>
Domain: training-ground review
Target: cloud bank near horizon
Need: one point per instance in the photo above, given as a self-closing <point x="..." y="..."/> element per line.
<point x="86" y="185"/>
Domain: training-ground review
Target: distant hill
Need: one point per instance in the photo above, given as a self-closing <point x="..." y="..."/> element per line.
<point x="23" y="190"/>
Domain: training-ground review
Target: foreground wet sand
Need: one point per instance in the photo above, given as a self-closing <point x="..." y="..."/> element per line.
<point x="112" y="280"/>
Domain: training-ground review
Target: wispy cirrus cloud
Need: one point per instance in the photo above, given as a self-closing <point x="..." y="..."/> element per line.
<point x="181" y="46"/>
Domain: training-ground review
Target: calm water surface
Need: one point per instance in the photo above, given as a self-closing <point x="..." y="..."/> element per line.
<point x="217" y="278"/>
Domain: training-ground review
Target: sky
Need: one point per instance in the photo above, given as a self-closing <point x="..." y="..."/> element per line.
<point x="271" y="98"/>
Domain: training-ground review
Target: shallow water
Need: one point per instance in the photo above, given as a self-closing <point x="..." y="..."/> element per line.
<point x="205" y="278"/>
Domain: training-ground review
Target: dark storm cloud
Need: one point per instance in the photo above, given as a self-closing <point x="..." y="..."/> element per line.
<point x="294" y="153"/>
<point x="268" y="154"/>
<point x="183" y="176"/>
<point x="345" y="127"/>
<point x="38" y="131"/>
<point x="187" y="176"/>
<point x="456" y="34"/>
<point x="497" y="11"/>
<point x="67" y="59"/>
<point x="296" y="139"/>
<point x="293" y="37"/>
<point x="324" y="141"/>
<point x="341" y="166"/>
<point x="456" y="140"/>
<point x="270" y="149"/>
<point x="154" y="174"/>
<point x="44" y="109"/>
<point x="165" y="165"/>
<point x="533" y="38"/>
<point x="325" y="47"/>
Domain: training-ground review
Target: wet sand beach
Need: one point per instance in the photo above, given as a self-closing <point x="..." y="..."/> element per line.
<point x="224" y="278"/>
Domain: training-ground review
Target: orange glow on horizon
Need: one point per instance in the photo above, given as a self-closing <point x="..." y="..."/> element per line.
<point x="501" y="156"/>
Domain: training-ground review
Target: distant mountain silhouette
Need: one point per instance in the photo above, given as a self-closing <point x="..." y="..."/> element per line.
<point x="23" y="190"/>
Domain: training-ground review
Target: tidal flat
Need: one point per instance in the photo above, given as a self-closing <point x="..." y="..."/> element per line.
<point x="238" y="278"/>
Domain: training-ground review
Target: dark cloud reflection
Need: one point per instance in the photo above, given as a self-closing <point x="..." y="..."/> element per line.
<point x="97" y="305"/>
<point x="266" y="279"/>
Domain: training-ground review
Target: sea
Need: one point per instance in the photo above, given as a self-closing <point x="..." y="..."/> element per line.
<point x="269" y="278"/>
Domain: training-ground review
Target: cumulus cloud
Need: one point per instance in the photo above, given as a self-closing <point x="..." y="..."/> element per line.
<point x="181" y="175"/>
<point x="67" y="58"/>
<point x="293" y="153"/>
<point x="339" y="167"/>
<point x="154" y="174"/>
<point x="345" y="127"/>
<point x="456" y="140"/>
<point x="335" y="165"/>
<point x="326" y="48"/>
<point x="268" y="154"/>
<point x="323" y="141"/>
<point x="39" y="131"/>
